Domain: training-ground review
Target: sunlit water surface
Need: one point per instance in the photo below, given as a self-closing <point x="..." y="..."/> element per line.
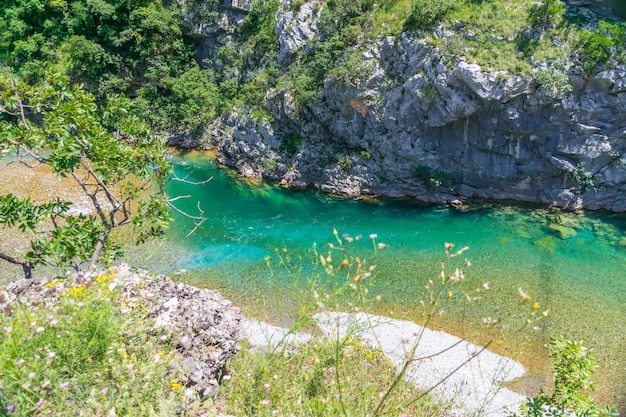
<point x="580" y="279"/>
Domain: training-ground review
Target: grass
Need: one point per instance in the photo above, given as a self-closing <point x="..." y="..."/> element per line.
<point x="390" y="17"/>
<point x="324" y="378"/>
<point x="85" y="355"/>
<point x="498" y="35"/>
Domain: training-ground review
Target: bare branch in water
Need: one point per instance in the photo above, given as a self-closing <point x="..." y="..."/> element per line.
<point x="198" y="220"/>
<point x="175" y="177"/>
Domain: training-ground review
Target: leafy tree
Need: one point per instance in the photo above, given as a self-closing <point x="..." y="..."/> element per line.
<point x="111" y="155"/>
<point x="190" y="100"/>
<point x="109" y="43"/>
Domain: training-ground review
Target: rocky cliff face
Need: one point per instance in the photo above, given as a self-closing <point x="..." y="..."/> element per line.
<point x="438" y="128"/>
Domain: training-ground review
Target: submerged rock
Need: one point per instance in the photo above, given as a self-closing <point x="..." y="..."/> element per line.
<point x="564" y="232"/>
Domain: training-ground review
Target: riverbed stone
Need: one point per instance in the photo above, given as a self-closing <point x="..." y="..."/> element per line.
<point x="564" y="232"/>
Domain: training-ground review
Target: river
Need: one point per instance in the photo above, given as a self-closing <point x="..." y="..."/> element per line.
<point x="577" y="273"/>
<point x="579" y="277"/>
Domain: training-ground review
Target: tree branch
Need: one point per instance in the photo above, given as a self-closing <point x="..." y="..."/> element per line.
<point x="185" y="180"/>
<point x="27" y="266"/>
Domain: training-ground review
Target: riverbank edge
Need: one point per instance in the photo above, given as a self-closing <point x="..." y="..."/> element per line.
<point x="201" y="318"/>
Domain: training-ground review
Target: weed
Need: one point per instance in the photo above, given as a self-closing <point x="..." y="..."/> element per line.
<point x="582" y="177"/>
<point x="84" y="355"/>
<point x="573" y="368"/>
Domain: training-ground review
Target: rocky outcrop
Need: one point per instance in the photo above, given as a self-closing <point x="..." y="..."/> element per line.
<point x="438" y="128"/>
<point x="205" y="324"/>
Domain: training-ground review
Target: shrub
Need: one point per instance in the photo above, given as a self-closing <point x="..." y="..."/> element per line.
<point x="582" y="177"/>
<point x="554" y="78"/>
<point x="573" y="368"/>
<point x="351" y="71"/>
<point x="345" y="162"/>
<point x="598" y="46"/>
<point x="546" y="12"/>
<point x="290" y="143"/>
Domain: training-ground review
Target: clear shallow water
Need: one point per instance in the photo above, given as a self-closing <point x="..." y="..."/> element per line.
<point x="580" y="279"/>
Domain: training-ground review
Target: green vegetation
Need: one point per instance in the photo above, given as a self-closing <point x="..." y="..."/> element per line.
<point x="331" y="378"/>
<point x="511" y="36"/>
<point x="108" y="359"/>
<point x="600" y="45"/>
<point x="112" y="156"/>
<point x="131" y="47"/>
<point x="110" y="44"/>
<point x="341" y="27"/>
<point x="427" y="13"/>
<point x="290" y="143"/>
<point x="64" y="103"/>
<point x="582" y="177"/>
<point x="573" y="368"/>
<point x="345" y="162"/>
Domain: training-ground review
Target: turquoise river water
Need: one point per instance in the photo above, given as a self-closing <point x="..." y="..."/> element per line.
<point x="581" y="279"/>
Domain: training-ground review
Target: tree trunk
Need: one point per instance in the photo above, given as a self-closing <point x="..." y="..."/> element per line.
<point x="97" y="250"/>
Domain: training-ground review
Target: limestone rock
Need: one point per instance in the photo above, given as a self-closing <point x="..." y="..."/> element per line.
<point x="296" y="30"/>
<point x="205" y="323"/>
<point x="435" y="127"/>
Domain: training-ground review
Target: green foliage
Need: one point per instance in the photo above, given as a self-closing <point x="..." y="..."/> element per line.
<point x="341" y="25"/>
<point x="554" y="78"/>
<point x="582" y="177"/>
<point x="26" y="215"/>
<point x="291" y="142"/>
<point x="352" y="70"/>
<point x="573" y="368"/>
<point x="427" y="13"/>
<point x="547" y="12"/>
<point x="260" y="43"/>
<point x="365" y="154"/>
<point x="340" y="14"/>
<point x="190" y="100"/>
<point x="345" y="162"/>
<point x="598" y="46"/>
<point x="85" y="354"/>
<point x="312" y="382"/>
<point x="112" y="44"/>
<point x="109" y="152"/>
